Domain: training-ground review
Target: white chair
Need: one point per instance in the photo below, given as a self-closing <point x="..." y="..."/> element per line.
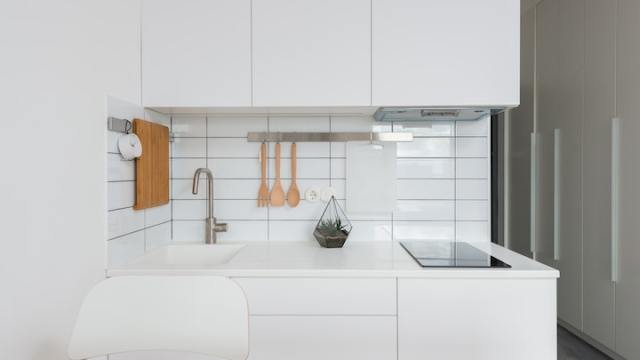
<point x="199" y="314"/>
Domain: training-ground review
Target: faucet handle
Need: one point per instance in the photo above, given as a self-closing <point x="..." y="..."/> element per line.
<point x="221" y="227"/>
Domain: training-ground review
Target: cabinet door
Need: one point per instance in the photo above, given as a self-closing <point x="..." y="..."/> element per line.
<point x="560" y="112"/>
<point x="445" y="52"/>
<point x="196" y="53"/>
<point x="479" y="319"/>
<point x="599" y="108"/>
<point x="628" y="98"/>
<point x="322" y="337"/>
<point x="311" y="53"/>
<point x="547" y="120"/>
<point x="519" y="137"/>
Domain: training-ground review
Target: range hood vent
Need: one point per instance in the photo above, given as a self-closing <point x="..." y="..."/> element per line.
<point x="422" y="114"/>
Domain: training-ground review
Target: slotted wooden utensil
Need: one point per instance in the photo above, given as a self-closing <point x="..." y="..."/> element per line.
<point x="263" y="193"/>
<point x="293" y="195"/>
<point x="277" y="193"/>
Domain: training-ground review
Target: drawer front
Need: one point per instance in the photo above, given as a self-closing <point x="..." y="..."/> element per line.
<point x="319" y="296"/>
<point x="322" y="338"/>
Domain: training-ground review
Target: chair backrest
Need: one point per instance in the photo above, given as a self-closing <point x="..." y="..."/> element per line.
<point x="200" y="314"/>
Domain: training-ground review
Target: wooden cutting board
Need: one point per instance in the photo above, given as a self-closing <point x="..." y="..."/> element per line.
<point x="152" y="168"/>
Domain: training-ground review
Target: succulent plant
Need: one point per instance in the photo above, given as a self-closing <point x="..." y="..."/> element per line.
<point x="332" y="227"/>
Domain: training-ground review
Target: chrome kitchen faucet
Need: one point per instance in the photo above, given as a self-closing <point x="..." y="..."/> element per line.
<point x="212" y="227"/>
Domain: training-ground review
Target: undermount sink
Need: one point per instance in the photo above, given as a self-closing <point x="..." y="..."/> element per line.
<point x="190" y="255"/>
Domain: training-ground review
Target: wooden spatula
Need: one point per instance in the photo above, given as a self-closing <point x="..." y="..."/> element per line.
<point x="263" y="193"/>
<point x="293" y="195"/>
<point x="277" y="194"/>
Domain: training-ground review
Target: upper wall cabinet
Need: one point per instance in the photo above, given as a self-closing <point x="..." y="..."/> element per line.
<point x="446" y="52"/>
<point x="311" y="53"/>
<point x="196" y="53"/>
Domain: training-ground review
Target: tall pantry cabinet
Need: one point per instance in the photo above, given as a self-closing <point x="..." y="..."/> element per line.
<point x="585" y="164"/>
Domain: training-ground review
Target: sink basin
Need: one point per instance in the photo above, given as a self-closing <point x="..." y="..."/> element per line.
<point x="190" y="255"/>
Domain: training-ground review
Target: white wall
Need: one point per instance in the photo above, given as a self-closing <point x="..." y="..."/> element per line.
<point x="59" y="61"/>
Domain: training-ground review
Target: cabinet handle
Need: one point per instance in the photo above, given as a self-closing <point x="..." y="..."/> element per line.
<point x="557" y="138"/>
<point x="533" y="194"/>
<point x="615" y="197"/>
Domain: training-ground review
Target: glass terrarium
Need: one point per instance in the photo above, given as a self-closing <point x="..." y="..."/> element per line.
<point x="334" y="227"/>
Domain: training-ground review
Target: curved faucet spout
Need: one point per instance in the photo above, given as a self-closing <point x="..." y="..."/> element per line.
<point x="212" y="227"/>
<point x="196" y="176"/>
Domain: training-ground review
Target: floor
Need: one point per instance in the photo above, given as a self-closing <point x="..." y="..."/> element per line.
<point x="572" y="348"/>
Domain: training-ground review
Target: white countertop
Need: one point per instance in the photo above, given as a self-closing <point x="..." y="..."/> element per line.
<point x="355" y="259"/>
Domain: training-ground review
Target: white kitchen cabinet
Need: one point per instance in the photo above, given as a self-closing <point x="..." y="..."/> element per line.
<point x="322" y="337"/>
<point x="445" y="53"/>
<point x="311" y="53"/>
<point x="196" y="53"/>
<point x="627" y="288"/>
<point x="434" y="317"/>
<point x="599" y="108"/>
<point x="321" y="296"/>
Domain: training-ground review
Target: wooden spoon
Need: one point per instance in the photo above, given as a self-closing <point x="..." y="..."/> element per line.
<point x="293" y="195"/>
<point x="277" y="194"/>
<point x="263" y="193"/>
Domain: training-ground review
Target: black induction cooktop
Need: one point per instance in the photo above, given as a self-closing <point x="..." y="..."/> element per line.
<point x="450" y="254"/>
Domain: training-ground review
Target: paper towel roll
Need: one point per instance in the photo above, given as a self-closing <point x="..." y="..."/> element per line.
<point x="130" y="146"/>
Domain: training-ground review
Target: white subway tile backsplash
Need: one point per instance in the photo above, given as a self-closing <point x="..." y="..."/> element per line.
<point x="182" y="189"/>
<point x="124" y="221"/>
<point x="232" y="148"/>
<point x="185" y="168"/>
<point x="472" y="147"/>
<point x="125" y="249"/>
<point x="189" y="231"/>
<point x="227" y="210"/>
<point x="235" y="126"/>
<point x="426" y="168"/>
<point x="472" y="189"/>
<point x="425" y="128"/>
<point x="157" y="236"/>
<point x="473" y="128"/>
<point x="291" y="230"/>
<point x="358" y="124"/>
<point x="307" y="169"/>
<point x="189" y="209"/>
<point x="371" y="231"/>
<point x="441" y="210"/>
<point x="189" y="126"/>
<point x="245" y="231"/>
<point x="189" y="148"/>
<point x="120" y="194"/>
<point x="235" y="168"/>
<point x="427" y="147"/>
<point x="472" y="231"/>
<point x="298" y="123"/>
<point x="338" y="168"/>
<point x="304" y="211"/>
<point x="119" y="169"/>
<point x="303" y="150"/>
<point x="425" y="189"/>
<point x="424" y="230"/>
<point x="472" y="210"/>
<point x="236" y="189"/>
<point x="157" y="215"/>
<point x="472" y="168"/>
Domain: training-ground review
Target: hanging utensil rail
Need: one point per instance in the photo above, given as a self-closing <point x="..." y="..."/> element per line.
<point x="329" y="136"/>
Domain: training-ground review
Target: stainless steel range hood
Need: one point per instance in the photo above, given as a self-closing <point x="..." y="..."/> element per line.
<point x="424" y="113"/>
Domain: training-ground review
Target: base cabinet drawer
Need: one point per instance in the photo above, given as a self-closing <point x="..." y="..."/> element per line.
<point x="319" y="296"/>
<point x="322" y="338"/>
